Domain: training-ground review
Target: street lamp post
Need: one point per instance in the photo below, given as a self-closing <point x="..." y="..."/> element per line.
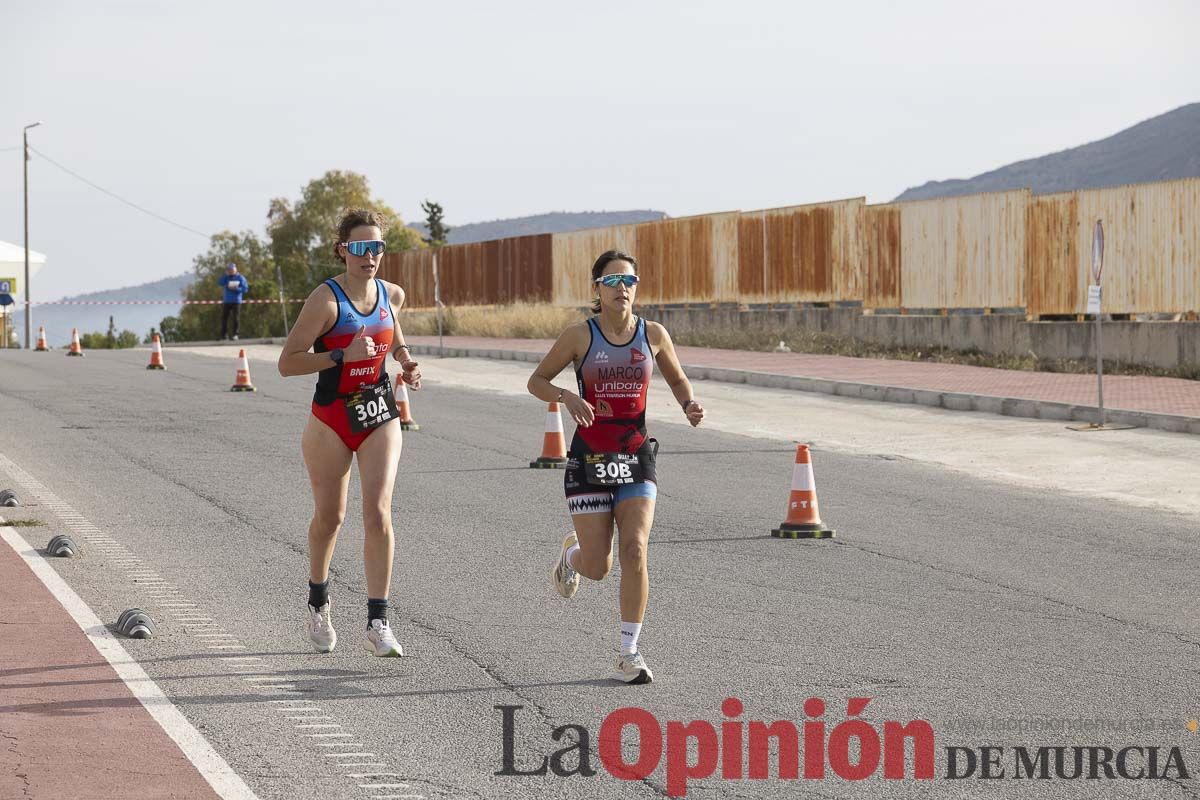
<point x="25" y="164"/>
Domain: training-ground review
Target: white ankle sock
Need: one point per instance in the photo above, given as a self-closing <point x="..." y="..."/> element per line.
<point x="629" y="636"/>
<point x="570" y="554"/>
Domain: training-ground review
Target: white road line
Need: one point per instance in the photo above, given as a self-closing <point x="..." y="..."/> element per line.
<point x="361" y="775"/>
<point x="321" y="717"/>
<point x="383" y="786"/>
<point x="349" y="755"/>
<point x="220" y="776"/>
<point x="319" y="725"/>
<point x="329" y="736"/>
<point x="343" y="744"/>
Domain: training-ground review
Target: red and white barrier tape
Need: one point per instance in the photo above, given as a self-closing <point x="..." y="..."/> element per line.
<point x="146" y="302"/>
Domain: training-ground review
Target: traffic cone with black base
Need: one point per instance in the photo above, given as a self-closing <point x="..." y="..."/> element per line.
<point x="242" y="382"/>
<point x="41" y="342"/>
<point x="554" y="445"/>
<point x="156" y="360"/>
<point x="407" y="423"/>
<point x="803" y="520"/>
<point x="75" y="350"/>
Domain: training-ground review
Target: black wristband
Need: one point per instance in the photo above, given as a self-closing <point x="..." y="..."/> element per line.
<point x="685" y="404"/>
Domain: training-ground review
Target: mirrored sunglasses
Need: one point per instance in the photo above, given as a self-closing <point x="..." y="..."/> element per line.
<point x="364" y="246"/>
<point x="613" y="281"/>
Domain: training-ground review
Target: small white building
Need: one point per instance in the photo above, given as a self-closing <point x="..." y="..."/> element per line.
<point x="12" y="268"/>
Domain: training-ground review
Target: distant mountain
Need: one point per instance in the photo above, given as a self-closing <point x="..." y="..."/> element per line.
<point x="1166" y="147"/>
<point x="557" y="222"/>
<point x="59" y="319"/>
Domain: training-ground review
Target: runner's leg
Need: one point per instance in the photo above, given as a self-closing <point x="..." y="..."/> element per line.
<point x="634" y="517"/>
<point x="594" y="558"/>
<point x="378" y="460"/>
<point x="328" y="462"/>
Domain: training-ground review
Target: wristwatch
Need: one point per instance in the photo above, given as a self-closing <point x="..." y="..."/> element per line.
<point x="560" y="395"/>
<point x="337" y="354"/>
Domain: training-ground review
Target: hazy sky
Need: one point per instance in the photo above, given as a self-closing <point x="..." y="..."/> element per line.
<point x="203" y="112"/>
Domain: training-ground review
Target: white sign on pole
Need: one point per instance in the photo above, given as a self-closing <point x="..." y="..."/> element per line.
<point x="1093" y="301"/>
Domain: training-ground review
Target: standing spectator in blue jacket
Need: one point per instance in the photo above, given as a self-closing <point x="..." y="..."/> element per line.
<point x="235" y="287"/>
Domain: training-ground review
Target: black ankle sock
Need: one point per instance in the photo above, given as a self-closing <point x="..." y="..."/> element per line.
<point x="376" y="609"/>
<point x="318" y="593"/>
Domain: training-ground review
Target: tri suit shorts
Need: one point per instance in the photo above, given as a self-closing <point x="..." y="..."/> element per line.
<point x="586" y="498"/>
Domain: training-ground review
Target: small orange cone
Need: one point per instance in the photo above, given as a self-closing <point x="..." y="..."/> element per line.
<point x="554" y="446"/>
<point x="75" y="350"/>
<point x="803" y="521"/>
<point x="407" y="423"/>
<point x="41" y="342"/>
<point x="242" y="384"/>
<point x="156" y="361"/>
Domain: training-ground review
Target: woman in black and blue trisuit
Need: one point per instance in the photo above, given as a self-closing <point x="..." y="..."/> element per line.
<point x="611" y="474"/>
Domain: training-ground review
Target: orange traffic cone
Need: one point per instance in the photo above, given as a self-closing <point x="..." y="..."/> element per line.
<point x="407" y="423"/>
<point x="242" y="384"/>
<point x="803" y="521"/>
<point x="554" y="446"/>
<point x="156" y="361"/>
<point x="75" y="350"/>
<point x="41" y="342"/>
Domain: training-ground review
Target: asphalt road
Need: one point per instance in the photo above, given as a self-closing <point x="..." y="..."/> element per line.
<point x="970" y="604"/>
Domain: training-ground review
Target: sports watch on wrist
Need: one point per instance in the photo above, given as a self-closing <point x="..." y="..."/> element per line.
<point x="560" y="395"/>
<point x="337" y="354"/>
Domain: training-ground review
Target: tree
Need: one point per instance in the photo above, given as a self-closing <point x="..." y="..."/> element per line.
<point x="303" y="233"/>
<point x="253" y="258"/>
<point x="109" y="340"/>
<point x="438" y="230"/>
<point x="300" y="238"/>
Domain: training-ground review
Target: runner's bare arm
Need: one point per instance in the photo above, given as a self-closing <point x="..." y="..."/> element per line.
<point x="668" y="364"/>
<point x="396" y="297"/>
<point x="317" y="315"/>
<point x="410" y="371"/>
<point x="571" y="346"/>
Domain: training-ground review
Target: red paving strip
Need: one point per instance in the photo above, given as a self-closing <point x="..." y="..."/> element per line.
<point x="1128" y="392"/>
<point x="69" y="727"/>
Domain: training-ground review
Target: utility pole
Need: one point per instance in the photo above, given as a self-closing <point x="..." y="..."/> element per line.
<point x="282" y="302"/>
<point x="25" y="164"/>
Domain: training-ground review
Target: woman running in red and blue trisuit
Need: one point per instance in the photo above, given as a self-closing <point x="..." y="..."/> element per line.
<point x="349" y="324"/>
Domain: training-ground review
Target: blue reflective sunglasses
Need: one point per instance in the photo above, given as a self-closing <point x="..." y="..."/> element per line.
<point x="613" y="281"/>
<point x="364" y="246"/>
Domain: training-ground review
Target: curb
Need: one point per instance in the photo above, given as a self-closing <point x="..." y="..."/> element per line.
<point x="951" y="401"/>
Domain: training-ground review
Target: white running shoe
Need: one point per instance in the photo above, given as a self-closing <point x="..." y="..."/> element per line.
<point x="320" y="629"/>
<point x="380" y="640"/>
<point x="632" y="669"/>
<point x="565" y="579"/>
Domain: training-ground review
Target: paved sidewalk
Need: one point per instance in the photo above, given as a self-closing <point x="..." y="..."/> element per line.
<point x="1167" y="403"/>
<point x="70" y="726"/>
